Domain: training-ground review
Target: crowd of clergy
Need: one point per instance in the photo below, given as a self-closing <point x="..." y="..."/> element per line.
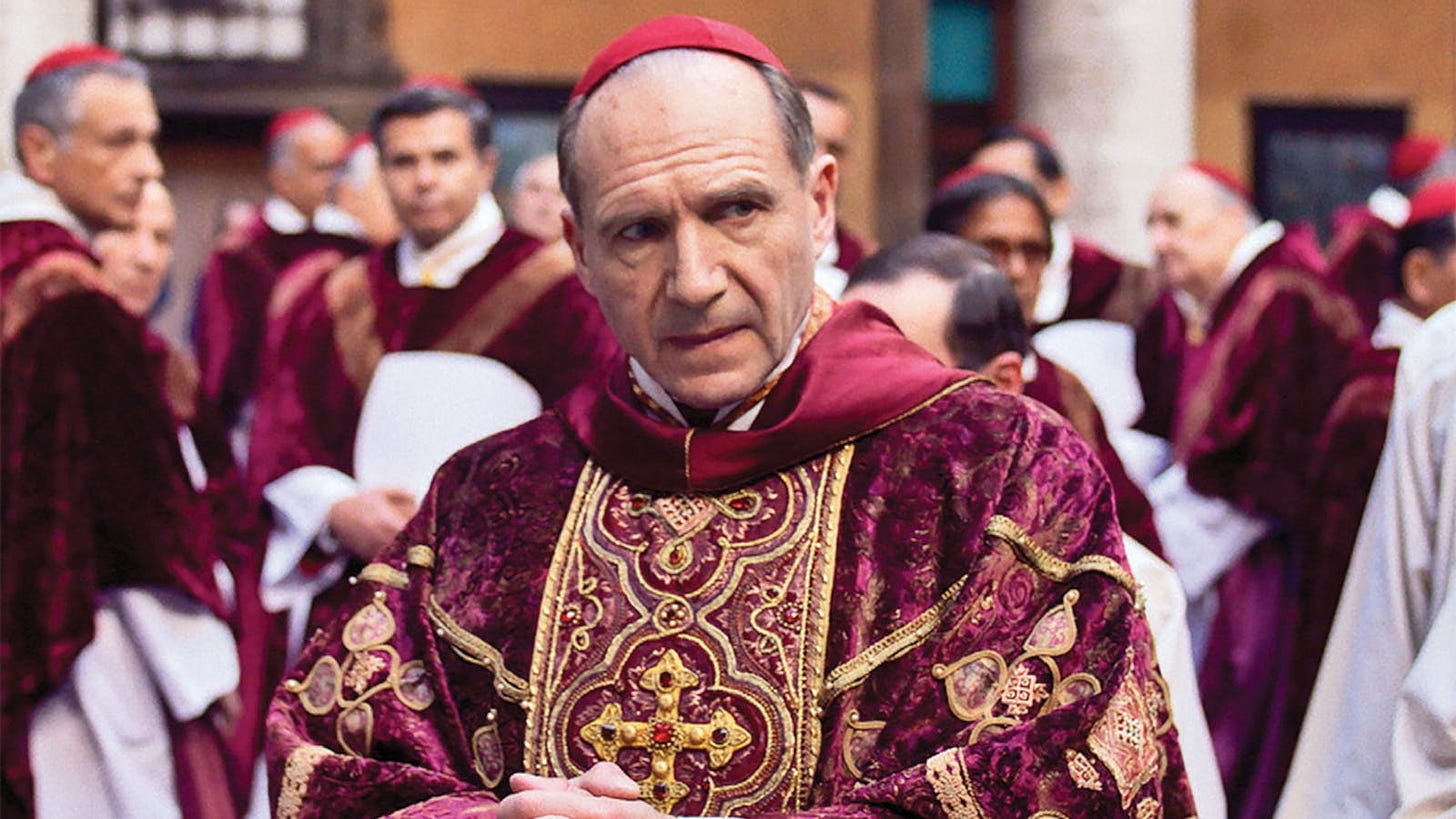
<point x="1274" y="415"/>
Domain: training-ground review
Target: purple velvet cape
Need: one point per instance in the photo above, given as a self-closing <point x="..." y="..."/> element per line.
<point x="939" y="660"/>
<point x="1068" y="397"/>
<point x="1243" y="408"/>
<point x="1103" y="286"/>
<point x="232" y="303"/>
<point x="94" y="491"/>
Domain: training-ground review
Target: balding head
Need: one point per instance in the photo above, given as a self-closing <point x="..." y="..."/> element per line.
<point x="1194" y="223"/>
<point x="695" y="223"/>
<point x="303" y="161"/>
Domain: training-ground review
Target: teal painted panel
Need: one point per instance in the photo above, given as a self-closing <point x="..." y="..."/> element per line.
<point x="962" y="63"/>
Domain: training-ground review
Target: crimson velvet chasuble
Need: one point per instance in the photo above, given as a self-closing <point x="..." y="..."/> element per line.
<point x="901" y="592"/>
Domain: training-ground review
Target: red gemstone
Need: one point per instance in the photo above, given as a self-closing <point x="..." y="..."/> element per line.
<point x="661" y="733"/>
<point x="740" y="504"/>
<point x="609" y="731"/>
<point x="676" y="557"/>
<point x="720" y="736"/>
<point x="569" y="616"/>
<point x="791" y="614"/>
<point x="659" y="790"/>
<point x="665" y="679"/>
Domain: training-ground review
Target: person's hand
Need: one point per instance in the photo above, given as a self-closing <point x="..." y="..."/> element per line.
<point x="367" y="522"/>
<point x="603" y="792"/>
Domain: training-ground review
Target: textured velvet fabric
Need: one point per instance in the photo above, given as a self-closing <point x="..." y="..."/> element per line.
<point x="834" y="625"/>
<point x="232" y="300"/>
<point x="1068" y="397"/>
<point x="1362" y="258"/>
<point x="308" y="408"/>
<point x="1346" y="456"/>
<point x="1106" y="287"/>
<point x="1243" y="405"/>
<point x="96" y="496"/>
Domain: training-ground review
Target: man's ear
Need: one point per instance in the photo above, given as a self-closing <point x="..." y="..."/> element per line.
<point x="1005" y="370"/>
<point x="572" y="235"/>
<point x="38" y="151"/>
<point x="1059" y="196"/>
<point x="823" y="187"/>
<point x="1416" y="270"/>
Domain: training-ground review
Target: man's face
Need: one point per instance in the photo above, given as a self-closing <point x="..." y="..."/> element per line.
<point x="1011" y="228"/>
<point x="306" y="174"/>
<point x="1193" y="229"/>
<point x="135" y="260"/>
<point x="832" y="125"/>
<point x="434" y="174"/>
<point x="920" y="304"/>
<point x="99" y="169"/>
<point x="695" y="233"/>
<point x="536" y="201"/>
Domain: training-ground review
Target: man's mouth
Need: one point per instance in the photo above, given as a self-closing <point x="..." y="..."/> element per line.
<point x="693" y="341"/>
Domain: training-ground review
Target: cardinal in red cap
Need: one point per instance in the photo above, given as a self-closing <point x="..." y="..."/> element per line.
<point x="303" y="151"/>
<point x="1238" y="366"/>
<point x="100" y="511"/>
<point x="773" y="529"/>
<point x="1082" y="279"/>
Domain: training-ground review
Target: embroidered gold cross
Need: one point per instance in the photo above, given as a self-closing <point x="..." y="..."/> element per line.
<point x="666" y="734"/>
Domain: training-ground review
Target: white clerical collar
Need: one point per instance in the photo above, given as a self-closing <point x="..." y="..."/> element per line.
<point x="22" y="199"/>
<point x="660" y="396"/>
<point x="1397" y="326"/>
<point x="280" y="215"/>
<point x="1056" y="279"/>
<point x="1029" y="367"/>
<point x="332" y="219"/>
<point x="1254" y="242"/>
<point x="1389" y="206"/>
<point x="445" y="264"/>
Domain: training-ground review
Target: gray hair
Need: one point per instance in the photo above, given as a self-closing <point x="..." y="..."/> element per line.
<point x="793" y="117"/>
<point x="50" y="100"/>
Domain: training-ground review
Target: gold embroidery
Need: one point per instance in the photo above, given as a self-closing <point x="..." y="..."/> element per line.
<point x="766" y="551"/>
<point x="296" y="773"/>
<point x="470" y="648"/>
<point x="489" y="758"/>
<point x="667" y="733"/>
<point x="977" y="683"/>
<point x="365" y="636"/>
<point x="1051" y="566"/>
<point x="859" y="737"/>
<point x="947" y="774"/>
<point x="1084" y="773"/>
<point x="1149" y="808"/>
<point x="1124" y="738"/>
<point x="892" y="647"/>
<point x="420" y="555"/>
<point x="1049" y="814"/>
<point x="385" y="575"/>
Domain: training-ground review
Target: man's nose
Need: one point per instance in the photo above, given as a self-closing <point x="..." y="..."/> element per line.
<point x="697" y="277"/>
<point x="148" y="164"/>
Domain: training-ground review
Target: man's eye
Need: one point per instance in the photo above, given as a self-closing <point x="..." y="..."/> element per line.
<point x="739" y="210"/>
<point x="638" y="232"/>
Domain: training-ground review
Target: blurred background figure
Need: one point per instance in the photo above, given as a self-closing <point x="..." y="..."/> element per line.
<point x="536" y="203"/>
<point x="135" y="260"/>
<point x="833" y="121"/>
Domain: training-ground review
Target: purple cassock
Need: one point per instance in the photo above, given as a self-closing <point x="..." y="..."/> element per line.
<point x="519" y="305"/>
<point x="874" y="601"/>
<point x="232" y="302"/>
<point x="1102" y="286"/>
<point x="96" y="496"/>
<point x="1064" y="393"/>
<point x="1243" y="401"/>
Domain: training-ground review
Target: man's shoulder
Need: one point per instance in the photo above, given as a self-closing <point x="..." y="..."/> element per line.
<point x="972" y="419"/>
<point x="541" y="444"/>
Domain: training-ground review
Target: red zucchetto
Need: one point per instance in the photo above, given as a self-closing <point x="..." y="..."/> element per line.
<point x="1433" y="201"/>
<point x="1225" y="179"/>
<point x="70" y="56"/>
<point x="291" y="120"/>
<point x="673" y="31"/>
<point x="1411" y="156"/>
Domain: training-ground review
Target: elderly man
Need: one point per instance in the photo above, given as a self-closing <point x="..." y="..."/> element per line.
<point x="779" y="559"/>
<point x="1082" y="279"/>
<point x="108" y="565"/>
<point x="302" y="153"/>
<point x="536" y="202"/>
<point x="1238" y="368"/>
<point x="458" y="280"/>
